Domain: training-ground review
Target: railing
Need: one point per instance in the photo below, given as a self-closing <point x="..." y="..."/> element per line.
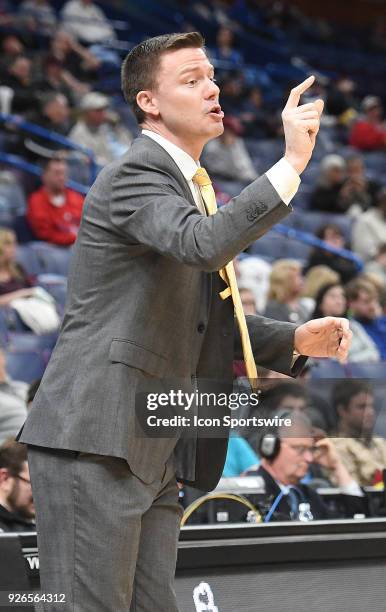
<point x="38" y="130"/>
<point x="310" y="239"/>
<point x="21" y="164"/>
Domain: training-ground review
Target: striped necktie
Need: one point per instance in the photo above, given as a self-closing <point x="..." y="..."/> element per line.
<point x="228" y="275"/>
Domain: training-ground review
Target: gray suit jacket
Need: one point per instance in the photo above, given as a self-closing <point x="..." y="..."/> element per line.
<point x="143" y="305"/>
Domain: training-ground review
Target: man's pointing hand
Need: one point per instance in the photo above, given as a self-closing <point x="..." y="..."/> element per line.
<point x="301" y="125"/>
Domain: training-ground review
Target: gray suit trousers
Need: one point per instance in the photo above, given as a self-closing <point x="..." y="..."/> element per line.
<point x="106" y="540"/>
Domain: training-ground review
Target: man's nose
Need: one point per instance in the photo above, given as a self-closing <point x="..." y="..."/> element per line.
<point x="212" y="90"/>
<point x="308" y="456"/>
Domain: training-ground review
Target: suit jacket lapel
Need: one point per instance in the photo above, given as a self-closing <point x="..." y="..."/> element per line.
<point x="174" y="169"/>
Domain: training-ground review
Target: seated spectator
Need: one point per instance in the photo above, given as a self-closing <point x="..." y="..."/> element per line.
<point x="363" y="454"/>
<point x="37" y="16"/>
<point x="13" y="396"/>
<point x="14" y="282"/>
<point x="253" y="272"/>
<point x="232" y="92"/>
<point x="54" y="210"/>
<point x="76" y="59"/>
<point x="327" y="196"/>
<point x="314" y="279"/>
<point x="331" y="302"/>
<point x="16" y="292"/>
<point x="369" y="131"/>
<point x="341" y="102"/>
<point x="247" y="299"/>
<point x="377" y="266"/>
<point x="287" y="452"/>
<point x="19" y="78"/>
<point x="11" y="47"/>
<point x="95" y="131"/>
<point x="290" y="396"/>
<point x="87" y="22"/>
<point x="284" y="295"/>
<point x="17" y="510"/>
<point x="333" y="236"/>
<point x="227" y="157"/>
<point x="369" y="231"/>
<point x="54" y="116"/>
<point x="240" y="457"/>
<point x="56" y="79"/>
<point x="256" y="123"/>
<point x="7" y="18"/>
<point x="358" y="193"/>
<point x="364" y="306"/>
<point x="225" y="50"/>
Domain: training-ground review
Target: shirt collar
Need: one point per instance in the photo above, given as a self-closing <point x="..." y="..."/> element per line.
<point x="184" y="161"/>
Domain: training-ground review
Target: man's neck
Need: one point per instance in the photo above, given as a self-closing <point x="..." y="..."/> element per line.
<point x="272" y="472"/>
<point x="54" y="192"/>
<point x="192" y="149"/>
<point x="348" y="431"/>
<point x="4" y="502"/>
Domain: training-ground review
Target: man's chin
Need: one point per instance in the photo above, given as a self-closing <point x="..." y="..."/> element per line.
<point x="216" y="131"/>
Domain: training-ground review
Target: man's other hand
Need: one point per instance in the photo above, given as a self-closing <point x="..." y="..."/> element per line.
<point x="301" y="125"/>
<point x="326" y="337"/>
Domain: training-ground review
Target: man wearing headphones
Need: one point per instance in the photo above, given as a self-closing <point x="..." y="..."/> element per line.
<point x="286" y="454"/>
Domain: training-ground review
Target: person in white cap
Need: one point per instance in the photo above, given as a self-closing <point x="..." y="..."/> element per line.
<point x="327" y="194"/>
<point x="95" y="131"/>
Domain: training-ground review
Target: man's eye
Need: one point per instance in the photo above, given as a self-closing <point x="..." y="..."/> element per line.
<point x="192" y="82"/>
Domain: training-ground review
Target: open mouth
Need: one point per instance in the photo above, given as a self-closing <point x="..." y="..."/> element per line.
<point x="216" y="111"/>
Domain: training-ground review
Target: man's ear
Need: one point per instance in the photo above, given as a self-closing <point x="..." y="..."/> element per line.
<point x="341" y="410"/>
<point x="148" y="103"/>
<point x="4" y="475"/>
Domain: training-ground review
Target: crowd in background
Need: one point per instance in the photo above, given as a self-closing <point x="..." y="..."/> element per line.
<point x="59" y="73"/>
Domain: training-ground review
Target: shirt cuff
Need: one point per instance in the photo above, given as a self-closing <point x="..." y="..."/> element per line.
<point x="352" y="488"/>
<point x="284" y="178"/>
<point x="295" y="356"/>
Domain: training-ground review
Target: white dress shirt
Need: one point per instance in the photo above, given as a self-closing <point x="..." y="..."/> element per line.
<point x="282" y="175"/>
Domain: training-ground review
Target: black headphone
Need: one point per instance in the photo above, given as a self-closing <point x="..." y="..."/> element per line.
<point x="269" y="443"/>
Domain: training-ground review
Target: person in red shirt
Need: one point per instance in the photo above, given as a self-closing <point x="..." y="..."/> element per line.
<point x="54" y="211"/>
<point x="369" y="132"/>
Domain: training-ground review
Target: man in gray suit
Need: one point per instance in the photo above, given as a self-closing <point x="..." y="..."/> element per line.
<point x="143" y="307"/>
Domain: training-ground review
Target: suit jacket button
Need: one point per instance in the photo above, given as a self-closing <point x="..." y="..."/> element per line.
<point x="201" y="328"/>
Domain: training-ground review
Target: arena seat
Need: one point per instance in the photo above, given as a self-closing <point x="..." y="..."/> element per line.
<point x="53" y="259"/>
<point x="328" y="368"/>
<point x="369" y="370"/>
<point x="25" y="365"/>
<point x="29" y="260"/>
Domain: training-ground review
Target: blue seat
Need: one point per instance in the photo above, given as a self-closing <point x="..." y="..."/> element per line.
<point x="28" y="341"/>
<point x="302" y="198"/>
<point x="25" y="365"/>
<point x="294" y="249"/>
<point x="232" y="188"/>
<point x="270" y="246"/>
<point x="368" y="370"/>
<point x="375" y="162"/>
<point x="53" y="259"/>
<point x="12" y="201"/>
<point x="274" y="246"/>
<point x="311" y="222"/>
<point x="328" y="368"/>
<point x="29" y="260"/>
<point x="55" y="285"/>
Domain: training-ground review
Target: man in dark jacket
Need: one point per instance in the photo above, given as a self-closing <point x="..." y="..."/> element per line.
<point x="17" y="510"/>
<point x="287" y="453"/>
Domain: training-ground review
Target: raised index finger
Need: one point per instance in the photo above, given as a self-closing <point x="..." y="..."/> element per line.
<point x="296" y="92"/>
